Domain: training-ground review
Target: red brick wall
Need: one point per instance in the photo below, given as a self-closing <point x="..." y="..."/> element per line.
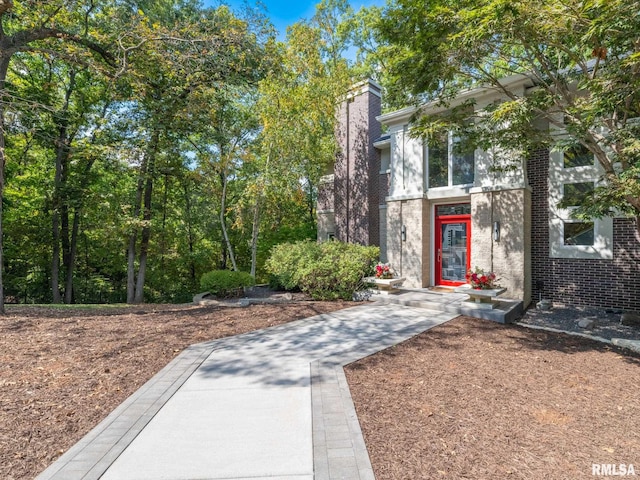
<point x="585" y="282"/>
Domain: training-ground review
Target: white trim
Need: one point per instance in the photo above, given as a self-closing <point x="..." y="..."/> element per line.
<point x="327" y="178"/>
<point x="602" y="243"/>
<point x="478" y="93"/>
<point x="365" y="86"/>
<point x="383" y="143"/>
<point x="448" y="193"/>
<point x="397" y="198"/>
<point x="499" y="188"/>
<point x="451" y="142"/>
<point x="602" y="247"/>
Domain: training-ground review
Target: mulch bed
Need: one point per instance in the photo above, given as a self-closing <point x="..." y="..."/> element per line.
<point x="63" y="370"/>
<point x="480" y="400"/>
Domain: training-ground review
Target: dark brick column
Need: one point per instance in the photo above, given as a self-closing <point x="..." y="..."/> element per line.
<point x="357" y="167"/>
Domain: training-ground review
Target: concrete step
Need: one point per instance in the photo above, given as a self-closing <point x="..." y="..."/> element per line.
<point x="505" y="311"/>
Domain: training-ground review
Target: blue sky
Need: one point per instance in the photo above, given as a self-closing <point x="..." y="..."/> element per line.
<point x="286" y="12"/>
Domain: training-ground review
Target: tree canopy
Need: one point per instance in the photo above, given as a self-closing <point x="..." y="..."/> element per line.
<point x="582" y="56"/>
<point x="147" y="143"/>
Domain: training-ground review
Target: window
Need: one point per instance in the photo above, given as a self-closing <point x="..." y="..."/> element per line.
<point x="459" y="209"/>
<point x="449" y="163"/>
<point x="573" y="174"/>
<point x="578" y="156"/>
<point x="462" y="162"/>
<point x="438" y="151"/>
<point x="575" y="232"/>
<point x="576" y="193"/>
<point x="579" y="233"/>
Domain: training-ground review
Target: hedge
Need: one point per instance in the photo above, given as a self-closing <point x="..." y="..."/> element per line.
<point x="326" y="271"/>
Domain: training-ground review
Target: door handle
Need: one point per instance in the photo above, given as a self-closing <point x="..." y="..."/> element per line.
<point x="439" y="255"/>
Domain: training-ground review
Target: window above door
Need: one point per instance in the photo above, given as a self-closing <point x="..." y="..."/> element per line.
<point x="449" y="163"/>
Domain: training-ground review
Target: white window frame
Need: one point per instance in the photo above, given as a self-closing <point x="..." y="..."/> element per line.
<point x="451" y="140"/>
<point x="602" y="247"/>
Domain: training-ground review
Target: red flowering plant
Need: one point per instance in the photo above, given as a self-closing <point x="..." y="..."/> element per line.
<point x="481" y="280"/>
<point x="383" y="270"/>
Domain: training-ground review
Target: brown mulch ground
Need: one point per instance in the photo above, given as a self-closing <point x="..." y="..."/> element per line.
<point x="480" y="400"/>
<point x="64" y="370"/>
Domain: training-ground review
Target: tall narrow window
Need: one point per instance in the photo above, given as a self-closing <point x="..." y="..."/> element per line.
<point x="438" y="152"/>
<point x="462" y="163"/>
<point x="449" y="163"/>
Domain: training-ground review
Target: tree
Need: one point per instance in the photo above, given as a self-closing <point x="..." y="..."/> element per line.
<point x="42" y="26"/>
<point x="296" y="106"/>
<point x="583" y="57"/>
<point x="179" y="73"/>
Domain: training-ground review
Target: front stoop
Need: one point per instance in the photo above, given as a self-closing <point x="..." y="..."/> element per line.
<point x="505" y="310"/>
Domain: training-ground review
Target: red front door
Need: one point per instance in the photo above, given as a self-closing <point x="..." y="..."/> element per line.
<point x="453" y="244"/>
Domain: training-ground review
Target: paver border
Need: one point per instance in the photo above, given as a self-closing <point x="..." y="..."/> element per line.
<point x="339" y="450"/>
<point x="90" y="458"/>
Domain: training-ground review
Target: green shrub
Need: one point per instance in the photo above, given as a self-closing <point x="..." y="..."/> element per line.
<point x="286" y="261"/>
<point x="326" y="271"/>
<point x="225" y="283"/>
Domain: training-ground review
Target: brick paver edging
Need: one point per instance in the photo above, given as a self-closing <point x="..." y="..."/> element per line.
<point x="338" y="445"/>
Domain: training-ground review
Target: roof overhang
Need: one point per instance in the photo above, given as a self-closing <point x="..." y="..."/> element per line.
<point x="479" y="94"/>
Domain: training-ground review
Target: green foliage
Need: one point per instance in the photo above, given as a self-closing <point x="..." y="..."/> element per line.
<point x="326" y="271"/>
<point x="583" y="57"/>
<point x="225" y="283"/>
<point x="160" y="122"/>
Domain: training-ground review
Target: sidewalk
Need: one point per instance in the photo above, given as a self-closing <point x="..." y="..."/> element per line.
<point x="272" y="404"/>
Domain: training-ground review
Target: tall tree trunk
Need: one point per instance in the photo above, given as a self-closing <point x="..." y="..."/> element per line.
<point x="55" y="258"/>
<point x="146" y="233"/>
<point x="133" y="236"/>
<point x="190" y="236"/>
<point x="65" y="231"/>
<point x="60" y="216"/>
<point x="70" y="265"/>
<point x="131" y="265"/>
<point x="255" y="233"/>
<point x="223" y="223"/>
<point x="4" y="66"/>
<point x="71" y="260"/>
<point x="145" y="187"/>
<point x="163" y="229"/>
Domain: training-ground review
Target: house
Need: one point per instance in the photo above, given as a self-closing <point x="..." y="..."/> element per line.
<point x="436" y="212"/>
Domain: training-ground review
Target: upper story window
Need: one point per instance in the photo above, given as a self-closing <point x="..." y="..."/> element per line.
<point x="576" y="193"/>
<point x="448" y="164"/>
<point x="578" y="156"/>
<point x="569" y="186"/>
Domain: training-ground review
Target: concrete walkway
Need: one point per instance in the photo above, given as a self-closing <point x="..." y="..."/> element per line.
<point x="272" y="404"/>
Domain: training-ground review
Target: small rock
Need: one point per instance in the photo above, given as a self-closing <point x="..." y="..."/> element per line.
<point x="208" y="301"/>
<point x="201" y="296"/>
<point x="587" y="323"/>
<point x="630" y="344"/>
<point x="630" y="319"/>
<point x="362" y="296"/>
<point x="544" y="305"/>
